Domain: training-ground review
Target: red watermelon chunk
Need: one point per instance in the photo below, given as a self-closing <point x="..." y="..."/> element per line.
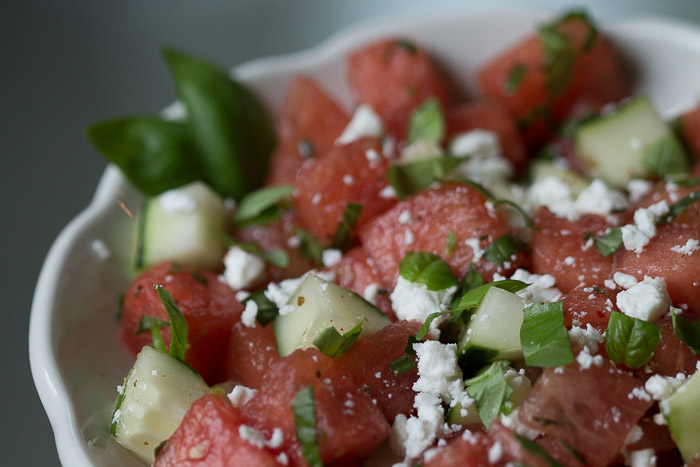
<point x="434" y="213"/>
<point x="349" y="426"/>
<point x="588" y="304"/>
<point x="596" y="79"/>
<point x="467" y="448"/>
<point x="493" y="117"/>
<point x="209" y="436"/>
<point x="368" y="363"/>
<point x="589" y="409"/>
<point x="209" y="307"/>
<point x="309" y="125"/>
<point x="345" y="175"/>
<point x="560" y="248"/>
<point x="249" y="355"/>
<point x="670" y="357"/>
<point x="394" y="76"/>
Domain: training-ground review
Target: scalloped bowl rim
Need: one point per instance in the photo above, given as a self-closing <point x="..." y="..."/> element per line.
<point x="47" y="376"/>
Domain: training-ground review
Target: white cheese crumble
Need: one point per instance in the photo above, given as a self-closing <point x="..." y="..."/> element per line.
<point x="100" y="249"/>
<point x="370" y="293"/>
<point x="279" y="293"/>
<point x="541" y="289"/>
<point x="648" y="300"/>
<point x="241" y="395"/>
<point x="662" y="387"/>
<point x="638" y="235"/>
<point x="331" y="257"/>
<point x="690" y="246"/>
<point x="348" y="179"/>
<point x="364" y="122"/>
<point x="597" y="198"/>
<point x="387" y="192"/>
<point x="638" y="188"/>
<point x="643" y="458"/>
<point x="555" y="193"/>
<point x="408" y="237"/>
<point x="241" y="294"/>
<point x="405" y="217"/>
<point x="586" y="360"/>
<point x="624" y="280"/>
<point x="176" y="201"/>
<point x="484" y="162"/>
<point x="249" y="314"/>
<point x="474" y="244"/>
<point x="495" y="452"/>
<point x="413" y="300"/>
<point x="589" y="337"/>
<point x="242" y="269"/>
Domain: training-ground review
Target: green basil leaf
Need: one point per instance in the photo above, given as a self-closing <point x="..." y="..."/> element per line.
<point x="537" y="450"/>
<point x="153" y="325"/>
<point x="407" y="45"/>
<point x="502" y="249"/>
<point x="234" y="134"/>
<point x="330" y="342"/>
<point x="427" y="122"/>
<point x="676" y="209"/>
<point x="687" y="332"/>
<point x="558" y="58"/>
<point x="582" y="16"/>
<point x="267" y="309"/>
<point x="450" y="243"/>
<point x="543" y="337"/>
<point x="490" y="391"/>
<point x="608" y="243"/>
<point x="630" y="340"/>
<point x="490" y="197"/>
<point x="117" y="406"/>
<point x="342" y="238"/>
<point x="305" y="425"/>
<point x="310" y="247"/>
<point x="256" y="203"/>
<point x="684" y="180"/>
<point x="428" y="269"/>
<point x="472" y="298"/>
<point x="408" y="179"/>
<point x="515" y="76"/>
<point x="472" y="279"/>
<point x="665" y="156"/>
<point x="153" y="154"/>
<point x="403" y="364"/>
<point x="178" y="325"/>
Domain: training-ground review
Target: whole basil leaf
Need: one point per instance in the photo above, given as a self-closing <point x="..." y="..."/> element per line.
<point x="427" y="122"/>
<point x="410" y="178"/>
<point x="230" y="126"/>
<point x="428" y="269"/>
<point x="489" y="390"/>
<point x="257" y="202"/>
<point x="630" y="340"/>
<point x="543" y="337"/>
<point x="153" y="154"/>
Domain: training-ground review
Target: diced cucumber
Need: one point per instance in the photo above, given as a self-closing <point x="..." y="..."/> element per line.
<point x="521" y="388"/>
<point x="493" y="329"/>
<point x="541" y="170"/>
<point x="682" y="412"/>
<point x="613" y="146"/>
<point x="317" y="305"/>
<point x="156" y="394"/>
<point x="184" y="225"/>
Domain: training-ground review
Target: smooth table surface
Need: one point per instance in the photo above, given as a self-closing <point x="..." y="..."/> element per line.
<point x="64" y="64"/>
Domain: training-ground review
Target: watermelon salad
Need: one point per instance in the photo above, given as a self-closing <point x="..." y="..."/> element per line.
<point x="510" y="279"/>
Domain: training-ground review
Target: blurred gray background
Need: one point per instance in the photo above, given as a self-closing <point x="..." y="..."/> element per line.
<point x="64" y="64"/>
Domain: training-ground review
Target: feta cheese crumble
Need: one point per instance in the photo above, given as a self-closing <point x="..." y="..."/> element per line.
<point x="638" y="235"/>
<point x="542" y="287"/>
<point x="331" y="257"/>
<point x="413" y="300"/>
<point x="483" y="162"/>
<point x="242" y="269"/>
<point x="690" y="246"/>
<point x="364" y="122"/>
<point x="647" y="300"/>
<point x="249" y="314"/>
<point x="555" y="193"/>
<point x="241" y="395"/>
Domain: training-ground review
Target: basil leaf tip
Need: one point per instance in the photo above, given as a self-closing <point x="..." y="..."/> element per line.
<point x="178" y="325"/>
<point x="427" y="268"/>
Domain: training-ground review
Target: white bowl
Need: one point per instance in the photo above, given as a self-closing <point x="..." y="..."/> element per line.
<point x="76" y="358"/>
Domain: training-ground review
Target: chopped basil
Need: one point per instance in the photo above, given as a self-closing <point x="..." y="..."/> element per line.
<point x="153" y="325"/>
<point x="428" y="269"/>
<point x="490" y="391"/>
<point x="117" y="406"/>
<point x="408" y="179"/>
<point x="582" y="16"/>
<point x="406" y="45"/>
<point x="537" y="450"/>
<point x="427" y="122"/>
<point x="472" y="298"/>
<point x="676" y="209"/>
<point x="200" y="278"/>
<point x="153" y="154"/>
<point x="687" y="332"/>
<point x="310" y="247"/>
<point x="502" y="249"/>
<point x="403" y="364"/>
<point x="607" y="244"/>
<point x="332" y="343"/>
<point x="630" y="340"/>
<point x="665" y="156"/>
<point x="342" y="238"/>
<point x="541" y="112"/>
<point x="254" y="204"/>
<point x="450" y="243"/>
<point x="472" y="279"/>
<point x="490" y="197"/>
<point x="267" y="309"/>
<point x="684" y="180"/>
<point x="543" y="337"/>
<point x="558" y="58"/>
<point x="178" y="325"/>
<point x="515" y="76"/>
<point x="305" y="425"/>
<point x="229" y="125"/>
<point x="279" y="257"/>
